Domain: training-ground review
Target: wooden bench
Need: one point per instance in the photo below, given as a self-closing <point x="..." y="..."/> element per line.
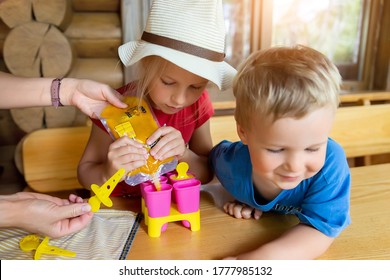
<point x="361" y="130"/>
<point x="346" y="99"/>
<point x="51" y="156"/>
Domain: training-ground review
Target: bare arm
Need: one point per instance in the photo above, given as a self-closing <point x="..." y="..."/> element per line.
<point x="197" y="155"/>
<point x="89" y="96"/>
<point x="301" y="242"/>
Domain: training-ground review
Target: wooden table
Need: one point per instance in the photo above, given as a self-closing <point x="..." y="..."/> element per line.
<point x="220" y="235"/>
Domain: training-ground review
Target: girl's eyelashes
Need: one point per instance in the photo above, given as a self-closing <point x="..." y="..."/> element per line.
<point x="167" y="83"/>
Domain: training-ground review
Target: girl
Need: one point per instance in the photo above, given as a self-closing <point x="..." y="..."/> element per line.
<point x="180" y="51"/>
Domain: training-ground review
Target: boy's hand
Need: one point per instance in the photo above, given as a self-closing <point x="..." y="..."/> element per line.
<point x="125" y="153"/>
<point x="170" y="143"/>
<point x="241" y="211"/>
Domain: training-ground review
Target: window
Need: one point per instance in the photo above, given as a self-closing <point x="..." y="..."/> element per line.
<point x="347" y="31"/>
<point x="344" y="30"/>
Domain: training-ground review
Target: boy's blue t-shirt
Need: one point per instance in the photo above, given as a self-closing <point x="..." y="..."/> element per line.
<point x="321" y="201"/>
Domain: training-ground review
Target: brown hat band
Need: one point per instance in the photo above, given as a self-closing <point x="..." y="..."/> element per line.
<point x="182" y="46"/>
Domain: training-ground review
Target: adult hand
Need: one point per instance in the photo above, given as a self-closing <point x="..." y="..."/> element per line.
<point x="50" y="216"/>
<point x="89" y="96"/>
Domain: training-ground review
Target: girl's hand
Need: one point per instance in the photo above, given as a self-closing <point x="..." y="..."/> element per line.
<point x="125" y="153"/>
<point x="170" y="143"/>
<point x="241" y="211"/>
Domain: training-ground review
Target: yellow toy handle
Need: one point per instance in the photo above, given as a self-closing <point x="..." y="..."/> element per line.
<point x="32" y="242"/>
<point x="45" y="248"/>
<point x="182" y="169"/>
<point x="102" y="194"/>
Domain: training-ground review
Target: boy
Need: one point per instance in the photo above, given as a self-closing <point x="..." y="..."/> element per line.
<point x="286" y="102"/>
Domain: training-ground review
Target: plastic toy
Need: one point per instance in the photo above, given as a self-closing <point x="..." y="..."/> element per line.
<point x="32" y="242"/>
<point x="173" y="202"/>
<point x="102" y="194"/>
<point x="182" y="172"/>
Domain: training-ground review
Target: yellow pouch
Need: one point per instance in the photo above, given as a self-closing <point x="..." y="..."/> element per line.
<point x="138" y="122"/>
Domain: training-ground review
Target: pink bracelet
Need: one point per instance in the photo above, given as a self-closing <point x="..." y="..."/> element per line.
<point x="55" y="92"/>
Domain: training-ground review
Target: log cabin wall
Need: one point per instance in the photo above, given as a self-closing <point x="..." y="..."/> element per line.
<point x="93" y="30"/>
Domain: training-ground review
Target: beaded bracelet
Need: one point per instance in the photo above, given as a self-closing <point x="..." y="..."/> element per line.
<point x="55" y="92"/>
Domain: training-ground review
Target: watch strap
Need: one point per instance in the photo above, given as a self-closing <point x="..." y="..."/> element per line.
<point x="55" y="92"/>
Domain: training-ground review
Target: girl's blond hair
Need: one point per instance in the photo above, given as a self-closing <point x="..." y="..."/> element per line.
<point x="153" y="67"/>
<point x="284" y="82"/>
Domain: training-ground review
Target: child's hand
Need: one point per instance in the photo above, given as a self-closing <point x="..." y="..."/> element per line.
<point x="171" y="143"/>
<point x="125" y="153"/>
<point x="240" y="210"/>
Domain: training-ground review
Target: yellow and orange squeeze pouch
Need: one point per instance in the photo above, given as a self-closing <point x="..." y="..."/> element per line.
<point x="138" y="122"/>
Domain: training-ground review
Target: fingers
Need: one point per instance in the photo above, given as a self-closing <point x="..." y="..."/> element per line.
<point x="126" y="153"/>
<point x="74" y="221"/>
<point x="75" y="198"/>
<point x="257" y="214"/>
<point x="78" y="223"/>
<point x="241" y="211"/>
<point x="73" y="210"/>
<point x="114" y="98"/>
<point x="170" y="143"/>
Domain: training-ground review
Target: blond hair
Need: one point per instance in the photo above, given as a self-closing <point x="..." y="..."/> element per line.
<point x="284" y="82"/>
<point x="151" y="68"/>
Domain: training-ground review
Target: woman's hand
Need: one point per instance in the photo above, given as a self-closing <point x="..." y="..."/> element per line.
<point x="49" y="216"/>
<point x="89" y="96"/>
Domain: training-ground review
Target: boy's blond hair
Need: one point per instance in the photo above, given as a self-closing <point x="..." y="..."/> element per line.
<point x="284" y="82"/>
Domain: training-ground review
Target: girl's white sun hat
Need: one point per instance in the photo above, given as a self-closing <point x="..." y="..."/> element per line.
<point x="188" y="33"/>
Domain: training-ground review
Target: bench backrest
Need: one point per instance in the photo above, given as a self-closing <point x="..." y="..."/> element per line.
<point x="51" y="156"/>
<point x="360" y="130"/>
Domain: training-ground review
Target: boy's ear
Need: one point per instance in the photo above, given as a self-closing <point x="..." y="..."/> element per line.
<point x="241" y="133"/>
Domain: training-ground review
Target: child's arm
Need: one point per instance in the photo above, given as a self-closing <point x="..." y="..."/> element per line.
<point x="172" y="144"/>
<point x="300" y="242"/>
<point x="103" y="157"/>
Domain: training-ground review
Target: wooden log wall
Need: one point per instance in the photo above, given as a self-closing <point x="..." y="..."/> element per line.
<point x="93" y="30"/>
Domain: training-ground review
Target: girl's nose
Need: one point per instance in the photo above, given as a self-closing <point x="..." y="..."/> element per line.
<point x="179" y="97"/>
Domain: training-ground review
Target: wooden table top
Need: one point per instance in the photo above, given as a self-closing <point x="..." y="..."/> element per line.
<point x="220" y="235"/>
